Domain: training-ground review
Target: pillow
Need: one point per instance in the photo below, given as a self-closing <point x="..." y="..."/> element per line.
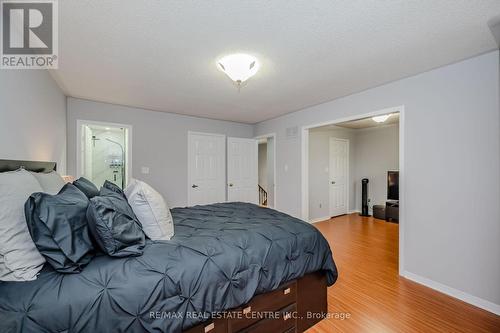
<point x="58" y="226"/>
<point x="51" y="182"/>
<point x="151" y="210"/>
<point x="19" y="257"/>
<point x="114" y="226"/>
<point x="113" y="187"/>
<point x="87" y="187"/>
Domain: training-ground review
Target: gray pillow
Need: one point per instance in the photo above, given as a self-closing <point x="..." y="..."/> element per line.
<point x="58" y="226"/>
<point x="113" y="187"/>
<point x="19" y="257"/>
<point x="87" y="187"/>
<point x="51" y="182"/>
<point x="114" y="226"/>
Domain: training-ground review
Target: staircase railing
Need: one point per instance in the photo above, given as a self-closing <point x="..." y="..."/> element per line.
<point x="262" y="196"/>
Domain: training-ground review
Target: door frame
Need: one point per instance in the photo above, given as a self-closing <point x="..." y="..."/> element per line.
<point x="271" y="135"/>
<point x="330" y="175"/>
<point x="128" y="147"/>
<point x="189" y="182"/>
<point x="304" y="135"/>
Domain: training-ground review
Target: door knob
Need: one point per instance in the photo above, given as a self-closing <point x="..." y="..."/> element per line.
<point x="194" y="186"/>
<point x="333" y="182"/>
<point x="230" y="184"/>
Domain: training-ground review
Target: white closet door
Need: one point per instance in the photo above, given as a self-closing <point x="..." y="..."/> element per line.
<point x="206" y="168"/>
<point x="242" y="170"/>
<point x="339" y="170"/>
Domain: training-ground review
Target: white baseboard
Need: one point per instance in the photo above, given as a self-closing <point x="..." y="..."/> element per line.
<point x="319" y="219"/>
<point x="463" y="296"/>
<point x="324" y="218"/>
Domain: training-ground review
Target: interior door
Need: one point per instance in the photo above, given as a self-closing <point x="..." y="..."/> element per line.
<point x="339" y="172"/>
<point x="206" y="168"/>
<point x="242" y="170"/>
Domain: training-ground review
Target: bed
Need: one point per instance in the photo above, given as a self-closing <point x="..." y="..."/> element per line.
<point x="223" y="260"/>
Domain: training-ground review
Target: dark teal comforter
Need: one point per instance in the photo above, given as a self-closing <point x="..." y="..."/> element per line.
<point x="220" y="257"/>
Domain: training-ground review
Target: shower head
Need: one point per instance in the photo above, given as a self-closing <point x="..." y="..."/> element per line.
<point x="119" y="144"/>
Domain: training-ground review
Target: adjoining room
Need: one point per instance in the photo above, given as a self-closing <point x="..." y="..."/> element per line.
<point x="354" y="168"/>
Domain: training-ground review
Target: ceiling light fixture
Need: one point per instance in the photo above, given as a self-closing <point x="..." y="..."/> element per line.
<point x="381" y="119"/>
<point x="238" y="67"/>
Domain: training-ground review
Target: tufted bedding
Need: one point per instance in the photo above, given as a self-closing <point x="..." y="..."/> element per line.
<point x="220" y="257"/>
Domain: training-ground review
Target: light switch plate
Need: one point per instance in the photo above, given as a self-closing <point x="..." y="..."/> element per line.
<point x="145" y="170"/>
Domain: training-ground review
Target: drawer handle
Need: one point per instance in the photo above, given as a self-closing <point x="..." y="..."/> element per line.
<point x="210" y="327"/>
<point x="287" y="316"/>
<point x="286" y="291"/>
<point x="247" y="310"/>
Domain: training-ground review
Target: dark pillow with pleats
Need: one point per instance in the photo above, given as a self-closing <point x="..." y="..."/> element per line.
<point x="58" y="227"/>
<point x="87" y="187"/>
<point x="112" y="187"/>
<point x="114" y="226"/>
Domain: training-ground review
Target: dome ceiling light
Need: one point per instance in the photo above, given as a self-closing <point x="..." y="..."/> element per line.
<point x="238" y="67"/>
<point x="381" y="119"/>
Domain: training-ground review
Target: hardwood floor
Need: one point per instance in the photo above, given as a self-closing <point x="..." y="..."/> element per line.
<point x="373" y="295"/>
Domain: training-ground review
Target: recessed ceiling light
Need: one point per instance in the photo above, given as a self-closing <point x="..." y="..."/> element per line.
<point x="239" y="67"/>
<point x="381" y="119"/>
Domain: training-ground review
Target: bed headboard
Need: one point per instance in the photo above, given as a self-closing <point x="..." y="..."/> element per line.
<point x="12" y="165"/>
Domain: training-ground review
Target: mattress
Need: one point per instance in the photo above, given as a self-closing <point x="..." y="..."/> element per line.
<point x="220" y="257"/>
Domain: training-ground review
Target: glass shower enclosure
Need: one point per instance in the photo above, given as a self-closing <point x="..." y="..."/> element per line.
<point x="104" y="154"/>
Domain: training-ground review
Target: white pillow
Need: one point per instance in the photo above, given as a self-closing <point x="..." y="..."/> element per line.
<point x="19" y="257"/>
<point x="151" y="210"/>
<point x="51" y="182"/>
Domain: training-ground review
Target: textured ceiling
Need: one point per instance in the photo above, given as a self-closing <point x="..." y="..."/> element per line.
<point x="161" y="55"/>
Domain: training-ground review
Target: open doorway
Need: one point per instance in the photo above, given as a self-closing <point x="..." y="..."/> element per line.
<point x="103" y="152"/>
<point x="353" y="168"/>
<point x="267" y="170"/>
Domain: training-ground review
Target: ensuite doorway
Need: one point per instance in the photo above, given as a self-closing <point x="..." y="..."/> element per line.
<point x="103" y="152"/>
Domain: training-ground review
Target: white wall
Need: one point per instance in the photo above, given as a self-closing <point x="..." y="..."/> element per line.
<point x="159" y="141"/>
<point x="451" y="142"/>
<point x="32" y="117"/>
<point x="376" y="151"/>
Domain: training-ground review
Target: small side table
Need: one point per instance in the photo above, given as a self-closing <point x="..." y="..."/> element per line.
<point x="379" y="212"/>
<point x="392" y="211"/>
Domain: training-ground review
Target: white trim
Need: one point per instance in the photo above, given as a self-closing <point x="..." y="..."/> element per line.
<point x="402" y="189"/>
<point x="463" y="296"/>
<point x="224" y="163"/>
<point x="128" y="152"/>
<point x="272" y="135"/>
<point x="304" y="134"/>
<point x="206" y="133"/>
<point x="319" y="219"/>
<point x="347" y="180"/>
<point x="325" y="218"/>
